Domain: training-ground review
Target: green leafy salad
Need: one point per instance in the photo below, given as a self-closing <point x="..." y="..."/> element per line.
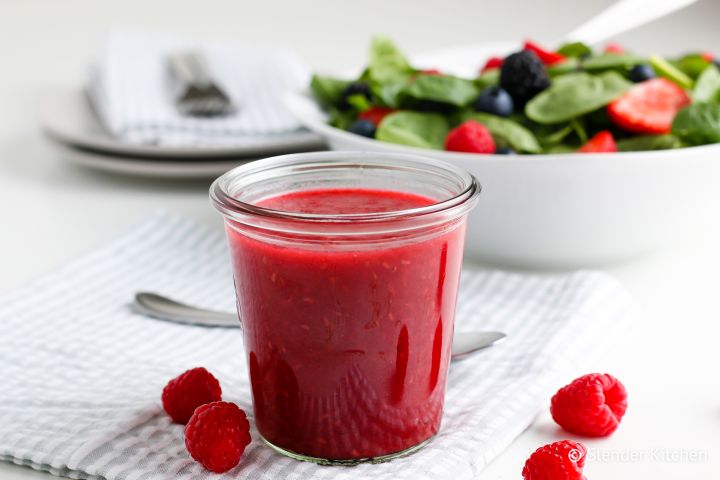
<point x="532" y="101"/>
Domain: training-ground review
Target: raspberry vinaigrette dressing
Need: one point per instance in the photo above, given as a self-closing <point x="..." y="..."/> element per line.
<point x="347" y="336"/>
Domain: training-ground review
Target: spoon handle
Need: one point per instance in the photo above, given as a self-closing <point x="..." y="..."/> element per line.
<point x="622" y="16"/>
<point x="164" y="308"/>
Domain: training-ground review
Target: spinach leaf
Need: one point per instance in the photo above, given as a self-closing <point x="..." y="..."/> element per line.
<point x="575" y="94"/>
<point x="441" y="88"/>
<point x="358" y="102"/>
<point x="341" y="118"/>
<point x="566" y="66"/>
<point x="327" y="90"/>
<point x="698" y="124"/>
<point x="692" y="65"/>
<point x="578" y="127"/>
<point x="506" y="132"/>
<point x="611" y="61"/>
<point x="572" y="134"/>
<point x="488" y="78"/>
<point x="562" y="148"/>
<point x="388" y="72"/>
<point x="549" y="136"/>
<point x="387" y="63"/>
<point x="707" y="87"/>
<point x="388" y="95"/>
<point x="575" y="49"/>
<point x="648" y="142"/>
<point x="415" y="129"/>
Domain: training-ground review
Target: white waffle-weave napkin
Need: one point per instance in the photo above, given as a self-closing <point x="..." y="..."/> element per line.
<point x="129" y="89"/>
<point x="82" y="374"/>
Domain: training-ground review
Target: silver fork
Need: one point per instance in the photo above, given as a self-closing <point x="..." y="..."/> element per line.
<point x="197" y="93"/>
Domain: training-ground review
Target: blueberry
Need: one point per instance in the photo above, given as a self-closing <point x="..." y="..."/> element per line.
<point x="355" y="88"/>
<point x="363" y="127"/>
<point x="504" y="151"/>
<point x="716" y="62"/>
<point x="642" y="72"/>
<point x="494" y="100"/>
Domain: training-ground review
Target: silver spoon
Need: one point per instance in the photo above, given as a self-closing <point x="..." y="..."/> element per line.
<point x="164" y="308"/>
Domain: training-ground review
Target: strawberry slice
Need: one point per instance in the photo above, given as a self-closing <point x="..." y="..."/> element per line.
<point x="492" y="62"/>
<point x="432" y="71"/>
<point x="648" y="107"/>
<point x="375" y="114"/>
<point x="614" y="48"/>
<point x="601" y="142"/>
<point x="546" y="56"/>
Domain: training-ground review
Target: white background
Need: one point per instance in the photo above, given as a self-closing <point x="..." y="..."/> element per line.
<point x="52" y="212"/>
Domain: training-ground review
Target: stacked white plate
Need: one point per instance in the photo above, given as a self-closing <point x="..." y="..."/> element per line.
<point x="69" y="120"/>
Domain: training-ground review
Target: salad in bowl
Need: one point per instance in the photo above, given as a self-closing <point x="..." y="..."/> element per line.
<point x="581" y="155"/>
<point x="532" y="101"/>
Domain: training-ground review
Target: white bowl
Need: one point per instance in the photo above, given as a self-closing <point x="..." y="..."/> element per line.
<point x="563" y="210"/>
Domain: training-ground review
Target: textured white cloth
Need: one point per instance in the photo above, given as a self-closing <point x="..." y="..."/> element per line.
<point x="129" y="88"/>
<point x="82" y="374"/>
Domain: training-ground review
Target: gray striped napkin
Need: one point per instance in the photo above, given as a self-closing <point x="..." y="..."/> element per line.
<point x="82" y="374"/>
<point x="129" y="89"/>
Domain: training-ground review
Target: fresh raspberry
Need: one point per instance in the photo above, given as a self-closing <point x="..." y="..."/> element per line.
<point x="648" y="107"/>
<point x="614" y="48"/>
<point x="492" y="62"/>
<point x="546" y="56"/>
<point x="591" y="405"/>
<point x="708" y="56"/>
<point x="601" y="142"/>
<point x="562" y="460"/>
<point x="217" y="434"/>
<point x="375" y="114"/>
<point x="471" y="137"/>
<point x="183" y="394"/>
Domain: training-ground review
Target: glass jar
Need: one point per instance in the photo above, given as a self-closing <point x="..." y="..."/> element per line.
<point x="346" y="268"/>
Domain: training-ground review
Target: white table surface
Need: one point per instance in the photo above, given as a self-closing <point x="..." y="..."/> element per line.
<point x="52" y="212"/>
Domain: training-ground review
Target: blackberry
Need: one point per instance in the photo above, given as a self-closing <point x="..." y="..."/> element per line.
<point x="355" y="88"/>
<point x="523" y="76"/>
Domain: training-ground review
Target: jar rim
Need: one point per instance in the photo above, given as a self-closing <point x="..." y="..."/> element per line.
<point x="227" y="204"/>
